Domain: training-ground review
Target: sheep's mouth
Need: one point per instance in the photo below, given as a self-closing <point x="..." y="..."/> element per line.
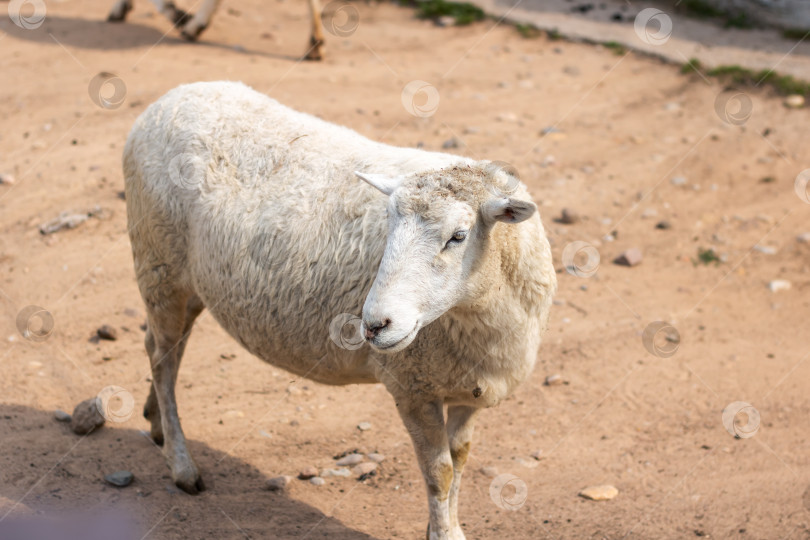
<point x="400" y="344"/>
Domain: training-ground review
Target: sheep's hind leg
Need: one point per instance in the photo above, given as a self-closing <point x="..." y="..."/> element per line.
<point x="316" y="41"/>
<point x="151" y="410"/>
<point x="460" y="425"/>
<point x="167" y="321"/>
<point x="195" y="25"/>
<point x="425" y="423"/>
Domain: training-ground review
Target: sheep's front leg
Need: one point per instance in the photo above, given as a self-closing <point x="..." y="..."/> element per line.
<point x="460" y="426"/>
<point x="425" y="423"/>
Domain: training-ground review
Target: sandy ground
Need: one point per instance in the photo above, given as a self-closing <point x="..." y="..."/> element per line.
<point x="624" y="126"/>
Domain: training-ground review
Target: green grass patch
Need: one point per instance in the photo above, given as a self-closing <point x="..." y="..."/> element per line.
<point x="702" y="9"/>
<point x="528" y="31"/>
<point x="706" y="257"/>
<point x="783" y="84"/>
<point x="692" y="66"/>
<point x="795" y="33"/>
<point x="616" y="47"/>
<point x="463" y="13"/>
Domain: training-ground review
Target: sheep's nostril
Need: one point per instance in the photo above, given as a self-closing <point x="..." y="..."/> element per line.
<point x="374" y="328"/>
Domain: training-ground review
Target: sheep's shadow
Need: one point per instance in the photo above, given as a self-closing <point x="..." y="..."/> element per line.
<point x="49" y="469"/>
<point x="102" y="35"/>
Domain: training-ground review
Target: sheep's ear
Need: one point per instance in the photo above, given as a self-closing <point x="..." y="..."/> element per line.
<point x="507" y="210"/>
<point x="386" y="184"/>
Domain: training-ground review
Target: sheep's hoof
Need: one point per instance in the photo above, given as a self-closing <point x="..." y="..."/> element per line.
<point x="180" y="17"/>
<point x="118" y="15"/>
<point x="315" y="51"/>
<point x="191" y="482"/>
<point x="191" y="34"/>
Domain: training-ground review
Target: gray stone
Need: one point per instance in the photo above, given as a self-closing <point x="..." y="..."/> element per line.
<point x="450" y="143"/>
<point x="317" y="481"/>
<point x="349" y="460"/>
<point x="307" y="473"/>
<point x="86" y="417"/>
<point x="61" y="416"/>
<point x="568" y="216"/>
<point x="631" y="257"/>
<point x="340" y="472"/>
<point x="364" y="468"/>
<point x="107" y="332"/>
<point x="119" y="478"/>
<point x="364" y="426"/>
<point x="376" y="457"/>
<point x="278" y="483"/>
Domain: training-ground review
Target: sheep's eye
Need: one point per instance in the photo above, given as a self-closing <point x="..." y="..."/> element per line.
<point x="457" y="238"/>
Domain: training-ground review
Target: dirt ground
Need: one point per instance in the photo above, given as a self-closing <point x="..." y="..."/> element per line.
<point x="623" y="127"/>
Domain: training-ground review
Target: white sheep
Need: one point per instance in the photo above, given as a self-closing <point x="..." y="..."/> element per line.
<point x="241" y="205"/>
<point x="192" y="25"/>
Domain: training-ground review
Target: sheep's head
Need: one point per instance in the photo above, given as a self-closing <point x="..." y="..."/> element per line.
<point x="439" y="224"/>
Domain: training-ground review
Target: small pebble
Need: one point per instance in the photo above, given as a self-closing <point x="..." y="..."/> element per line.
<point x="553" y="380"/>
<point x="631" y="257"/>
<point x="364" y="426"/>
<point x="317" y="481"/>
<point x="450" y="143"/>
<point x="364" y="468"/>
<point x="107" y="332"/>
<point x="278" y="483"/>
<point x="61" y="416"/>
<point x="767" y="250"/>
<point x="663" y="225"/>
<point x="568" y="216"/>
<point x="86" y="417"/>
<point x="804" y="238"/>
<point x="7" y="179"/>
<point x="678" y="181"/>
<point x="489" y="471"/>
<point x="794" y="101"/>
<point x="375" y="457"/>
<point x="446" y="20"/>
<point x="779" y="285"/>
<point x="599" y="493"/>
<point x="119" y="478"/>
<point x="537" y="454"/>
<point x="341" y="472"/>
<point x="307" y="473"/>
<point x="349" y="460"/>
